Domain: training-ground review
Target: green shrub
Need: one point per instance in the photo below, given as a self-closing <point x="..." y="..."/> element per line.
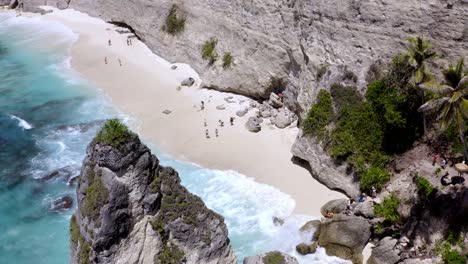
<point x="113" y="133"/>
<point x="158" y="226"/>
<point x="454" y="257"/>
<point x="389" y="208"/>
<point x="425" y="188"/>
<point x="173" y="23"/>
<point x="75" y="233"/>
<point x="228" y="60"/>
<point x="319" y="116"/>
<point x="274" y="257"/>
<point x="96" y="196"/>
<point x="373" y="176"/>
<point x="379" y="229"/>
<point x="209" y="50"/>
<point x="345" y="96"/>
<point x="171" y="254"/>
<point x="84" y="253"/>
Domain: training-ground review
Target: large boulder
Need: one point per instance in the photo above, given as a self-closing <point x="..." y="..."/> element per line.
<point x="385" y="252"/>
<point x="345" y="236"/>
<point x="253" y="124"/>
<point x="275" y="101"/>
<point x="304" y="248"/>
<point x="364" y="209"/>
<point x="274" y="257"/>
<point x="283" y="118"/>
<point x="336" y="206"/>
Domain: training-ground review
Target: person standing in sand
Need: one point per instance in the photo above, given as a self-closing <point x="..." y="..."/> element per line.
<point x="202" y="105"/>
<point x="110" y="42"/>
<point x="231" y="120"/>
<point x="120" y="62"/>
<point x="216" y="132"/>
<point x="105" y="60"/>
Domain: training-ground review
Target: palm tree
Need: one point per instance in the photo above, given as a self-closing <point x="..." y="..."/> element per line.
<point x="418" y="52"/>
<point x="450" y="102"/>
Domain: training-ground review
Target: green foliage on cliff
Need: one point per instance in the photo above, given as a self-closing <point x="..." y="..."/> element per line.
<point x="425" y="188"/>
<point x="174" y="24"/>
<point x="388" y="209"/>
<point x="209" y="50"/>
<point x="158" y="226"/>
<point x="345" y="96"/>
<point x="84" y="253"/>
<point x="171" y="254"/>
<point x="373" y="176"/>
<point x="113" y="133"/>
<point x="228" y="60"/>
<point x="319" y="116"/>
<point x="96" y="196"/>
<point x="75" y="234"/>
<point x="274" y="257"/>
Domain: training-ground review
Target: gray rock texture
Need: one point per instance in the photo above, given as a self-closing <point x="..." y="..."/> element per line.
<point x="385" y="252"/>
<point x="253" y="124"/>
<point x="288" y="40"/>
<point x="345" y="236"/>
<point x="265" y="258"/>
<point x="323" y="168"/>
<point x="132" y="210"/>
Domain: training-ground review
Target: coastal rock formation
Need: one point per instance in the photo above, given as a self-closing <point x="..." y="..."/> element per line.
<point x="385" y="252"/>
<point x="132" y="210"/>
<point x="323" y="168"/>
<point x="271" y="257"/>
<point x="345" y="236"/>
<point x="299" y="45"/>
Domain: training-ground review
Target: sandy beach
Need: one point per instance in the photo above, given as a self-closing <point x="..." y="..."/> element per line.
<point x="144" y="85"/>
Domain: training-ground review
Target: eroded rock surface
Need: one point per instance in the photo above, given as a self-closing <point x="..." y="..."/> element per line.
<point x="132" y="210"/>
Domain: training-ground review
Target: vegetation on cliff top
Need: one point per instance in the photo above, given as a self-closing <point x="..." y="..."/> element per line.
<point x="388" y="209"/>
<point x="319" y="116"/>
<point x="174" y="24"/>
<point x="171" y="254"/>
<point x="96" y="196"/>
<point x="113" y="133"/>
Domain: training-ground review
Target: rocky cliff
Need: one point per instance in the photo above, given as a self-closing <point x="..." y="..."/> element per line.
<point x="299" y="45"/>
<point x="132" y="210"/>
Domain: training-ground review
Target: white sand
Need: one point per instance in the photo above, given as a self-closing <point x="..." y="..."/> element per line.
<point x="145" y="85"/>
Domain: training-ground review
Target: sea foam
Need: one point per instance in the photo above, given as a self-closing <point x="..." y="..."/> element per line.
<point x="21" y="122"/>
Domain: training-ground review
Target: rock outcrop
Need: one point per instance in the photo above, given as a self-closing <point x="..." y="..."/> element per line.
<point x="297" y="45"/>
<point x="345" y="236"/>
<point x="132" y="210"/>
<point x="271" y="257"/>
<point x="385" y="252"/>
<point x="323" y="168"/>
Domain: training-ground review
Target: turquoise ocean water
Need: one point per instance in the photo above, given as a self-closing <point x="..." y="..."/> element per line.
<point x="48" y="115"/>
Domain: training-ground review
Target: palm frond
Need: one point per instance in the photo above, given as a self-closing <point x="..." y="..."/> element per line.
<point x="433" y="104"/>
<point x="436" y="88"/>
<point x="463" y="85"/>
<point x="446" y="117"/>
<point x="464" y="107"/>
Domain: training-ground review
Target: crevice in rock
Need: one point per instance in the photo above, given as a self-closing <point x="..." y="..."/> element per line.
<point x="125" y="25"/>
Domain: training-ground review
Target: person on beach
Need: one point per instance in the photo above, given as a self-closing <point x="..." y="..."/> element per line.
<point x="349" y="209"/>
<point x="202" y="105"/>
<point x="105" y="60"/>
<point x="329" y="214"/>
<point x="206" y="134"/>
<point x="128" y="43"/>
<point x="434" y="160"/>
<point x="373" y="192"/>
<point x="221" y="123"/>
<point x="444" y="163"/>
<point x="231" y="120"/>
<point x="216" y="132"/>
<point x="120" y="62"/>
<point x="130" y="40"/>
<point x="109" y="42"/>
<point x="204" y="123"/>
<point x="362" y="198"/>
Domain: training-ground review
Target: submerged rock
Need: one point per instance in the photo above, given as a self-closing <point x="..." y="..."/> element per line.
<point x="305" y="249"/>
<point x="271" y="257"/>
<point x="132" y="210"/>
<point x="62" y="203"/>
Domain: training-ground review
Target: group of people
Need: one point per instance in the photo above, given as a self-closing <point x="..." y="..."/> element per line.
<point x="129" y="42"/>
<point x="109" y="42"/>
<point x="350" y="203"/>
<point x="221" y="124"/>
<point x="443" y="162"/>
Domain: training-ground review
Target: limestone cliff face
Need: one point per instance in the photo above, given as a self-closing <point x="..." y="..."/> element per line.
<point x="292" y="40"/>
<point x="132" y="210"/>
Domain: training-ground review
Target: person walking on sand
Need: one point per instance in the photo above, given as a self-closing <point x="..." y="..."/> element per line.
<point x="444" y="163"/>
<point x="434" y="160"/>
<point x="373" y="192"/>
<point x="207" y="134"/>
<point x="216" y="132"/>
<point x="105" y="60"/>
<point x="120" y="62"/>
<point x="109" y="42"/>
<point x="202" y="105"/>
<point x="231" y="120"/>
<point x="204" y="123"/>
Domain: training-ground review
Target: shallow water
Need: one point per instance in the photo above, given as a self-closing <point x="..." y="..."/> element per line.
<point x="48" y="115"/>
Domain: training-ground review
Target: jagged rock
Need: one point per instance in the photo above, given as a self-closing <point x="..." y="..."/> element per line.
<point x="434" y="260"/>
<point x="271" y="257"/>
<point x="265" y="113"/>
<point x="364" y="209"/>
<point x="253" y="124"/>
<point x="188" y="82"/>
<point x="62" y="203"/>
<point x="311" y="225"/>
<point x="220" y="107"/>
<point x="167" y="112"/>
<point x="336" y="206"/>
<point x="242" y="113"/>
<point x="323" y="168"/>
<point x="305" y="249"/>
<point x="385" y="252"/>
<point x="132" y="210"/>
<point x="345" y="236"/>
<point x="283" y="118"/>
<point x="275" y="101"/>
